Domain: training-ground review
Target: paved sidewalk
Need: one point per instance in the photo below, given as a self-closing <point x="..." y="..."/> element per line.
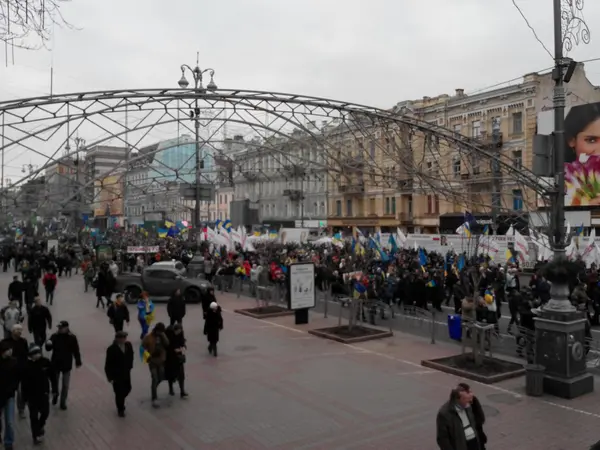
<point x="274" y="386"/>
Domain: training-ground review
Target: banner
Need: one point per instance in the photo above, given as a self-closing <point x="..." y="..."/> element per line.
<point x="147" y="249"/>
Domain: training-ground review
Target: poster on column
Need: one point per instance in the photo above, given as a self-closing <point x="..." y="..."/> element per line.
<point x="582" y="155"/>
<point x="302" y="286"/>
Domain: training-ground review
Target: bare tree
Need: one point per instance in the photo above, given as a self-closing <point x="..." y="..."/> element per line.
<point x="28" y="23"/>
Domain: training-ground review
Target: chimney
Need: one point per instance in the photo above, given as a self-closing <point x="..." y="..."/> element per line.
<point x="460" y="92"/>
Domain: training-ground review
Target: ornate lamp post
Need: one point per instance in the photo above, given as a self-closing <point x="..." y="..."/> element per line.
<point x="560" y="328"/>
<point x="197" y="76"/>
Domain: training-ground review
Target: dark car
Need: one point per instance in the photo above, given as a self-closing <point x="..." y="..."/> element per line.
<point x="160" y="283"/>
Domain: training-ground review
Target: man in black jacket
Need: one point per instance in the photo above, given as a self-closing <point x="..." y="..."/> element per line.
<point x="38" y="319"/>
<point x="20" y="350"/>
<point x="38" y="381"/>
<point x="117" y="366"/>
<point x="65" y="349"/>
<point x="118" y="313"/>
<point x="15" y="291"/>
<point x="456" y="424"/>
<point x="9" y="374"/>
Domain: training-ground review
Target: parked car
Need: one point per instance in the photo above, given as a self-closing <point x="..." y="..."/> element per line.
<point x="175" y="265"/>
<point x="160" y="281"/>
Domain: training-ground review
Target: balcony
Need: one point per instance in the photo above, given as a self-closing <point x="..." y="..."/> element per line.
<point x="294" y="170"/>
<point x="353" y="163"/>
<point x="491" y="140"/>
<point x="404" y="185"/>
<point x="405" y="218"/>
<point x="352" y="189"/>
<point x="294" y="194"/>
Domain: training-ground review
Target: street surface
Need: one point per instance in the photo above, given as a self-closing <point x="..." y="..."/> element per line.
<point x="273" y="386"/>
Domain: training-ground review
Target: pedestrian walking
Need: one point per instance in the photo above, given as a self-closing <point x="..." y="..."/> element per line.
<point x="38" y="382"/>
<point x="213" y="324"/>
<point x="175" y="363"/>
<point x="10" y="316"/>
<point x="10" y="376"/>
<point x="50" y="281"/>
<point x="20" y="350"/>
<point x="39" y="320"/>
<point x="145" y="313"/>
<point x="15" y="291"/>
<point x="456" y="424"/>
<point x="118" y="313"/>
<point x="155" y="346"/>
<point x="65" y="349"/>
<point x="117" y="367"/>
<point x="176" y="308"/>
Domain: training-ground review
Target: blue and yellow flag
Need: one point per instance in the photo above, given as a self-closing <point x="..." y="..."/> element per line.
<point x="486" y="230"/>
<point x="217" y="224"/>
<point x="227" y="225"/>
<point x="510" y="258"/>
<point x="162" y="233"/>
<point x="169" y="224"/>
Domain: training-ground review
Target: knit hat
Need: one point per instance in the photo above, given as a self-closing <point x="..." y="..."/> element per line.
<point x="214" y="306"/>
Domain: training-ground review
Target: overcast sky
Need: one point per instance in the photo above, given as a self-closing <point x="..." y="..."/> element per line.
<point x="375" y="52"/>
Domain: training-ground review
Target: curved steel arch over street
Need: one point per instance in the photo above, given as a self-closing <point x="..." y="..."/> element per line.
<point x="338" y="141"/>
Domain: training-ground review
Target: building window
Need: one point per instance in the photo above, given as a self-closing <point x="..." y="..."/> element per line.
<point x="430" y="205"/>
<point x="387" y="205"/>
<point x="349" y="208"/>
<point x="517" y="123"/>
<point x="372" y="149"/>
<point x="476" y="128"/>
<point x="338" y="208"/>
<point x="372" y="206"/>
<point x="517" y="199"/>
<point x="456" y="168"/>
<point x="457" y="128"/>
<point x="496" y="122"/>
<point x="393" y="205"/>
<point x="518" y="159"/>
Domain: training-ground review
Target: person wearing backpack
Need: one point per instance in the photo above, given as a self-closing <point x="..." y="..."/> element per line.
<point x="50" y="281"/>
<point x="10" y="315"/>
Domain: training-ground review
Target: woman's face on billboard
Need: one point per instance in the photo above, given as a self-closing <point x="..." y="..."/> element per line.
<point x="587" y="142"/>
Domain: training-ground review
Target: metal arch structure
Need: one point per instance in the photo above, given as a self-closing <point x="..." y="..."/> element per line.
<point x="276" y="124"/>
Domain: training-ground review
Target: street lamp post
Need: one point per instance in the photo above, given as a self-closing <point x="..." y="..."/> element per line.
<point x="197" y="76"/>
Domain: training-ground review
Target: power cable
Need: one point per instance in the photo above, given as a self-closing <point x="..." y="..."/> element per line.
<point x="531" y="28"/>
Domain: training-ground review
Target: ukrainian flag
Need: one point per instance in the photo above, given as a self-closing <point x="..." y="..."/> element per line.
<point x="169" y="224"/>
<point x="162" y="233"/>
<point x="509" y="256"/>
<point x="486" y="230"/>
<point x="227" y="225"/>
<point x="217" y="224"/>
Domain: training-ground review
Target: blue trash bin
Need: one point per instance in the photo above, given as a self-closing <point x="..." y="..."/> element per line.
<point x="454" y="326"/>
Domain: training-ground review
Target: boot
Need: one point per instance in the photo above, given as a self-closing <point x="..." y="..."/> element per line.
<point x="171" y="390"/>
<point x="215" y="350"/>
<point x="182" y="392"/>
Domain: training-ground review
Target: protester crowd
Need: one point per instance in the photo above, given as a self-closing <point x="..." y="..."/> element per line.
<point x="37" y="372"/>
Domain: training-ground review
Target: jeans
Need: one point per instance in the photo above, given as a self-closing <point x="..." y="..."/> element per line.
<point x="50" y="297"/>
<point x="8" y="411"/>
<point x="39" y="410"/>
<point x="65" y="378"/>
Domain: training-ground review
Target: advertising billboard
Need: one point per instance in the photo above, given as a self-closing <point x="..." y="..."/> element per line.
<point x="109" y="197"/>
<point x="582" y="154"/>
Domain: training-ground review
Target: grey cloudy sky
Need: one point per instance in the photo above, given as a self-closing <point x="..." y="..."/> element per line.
<point x="375" y="52"/>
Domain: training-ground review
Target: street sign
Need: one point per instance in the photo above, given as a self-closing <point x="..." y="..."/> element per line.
<point x="188" y="191"/>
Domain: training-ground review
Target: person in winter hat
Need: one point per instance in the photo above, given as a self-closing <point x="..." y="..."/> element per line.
<point x="213" y="324"/>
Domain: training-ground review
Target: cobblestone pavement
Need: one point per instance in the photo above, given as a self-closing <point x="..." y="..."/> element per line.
<point x="273" y="386"/>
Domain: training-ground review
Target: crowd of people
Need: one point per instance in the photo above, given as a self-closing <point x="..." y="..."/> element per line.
<point x="475" y="286"/>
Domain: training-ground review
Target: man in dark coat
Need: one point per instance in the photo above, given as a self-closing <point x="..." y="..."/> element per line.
<point x="174" y="365"/>
<point x="213" y="324"/>
<point x="20" y="350"/>
<point x="117" y="367"/>
<point x="38" y="381"/>
<point x="65" y="349"/>
<point x="10" y="376"/>
<point x="456" y="424"/>
<point x="15" y="291"/>
<point x="38" y="320"/>
<point x="118" y="313"/>
<point x="176" y="308"/>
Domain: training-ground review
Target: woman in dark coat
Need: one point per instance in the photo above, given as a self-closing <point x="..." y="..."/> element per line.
<point x="175" y="363"/>
<point x="176" y="308"/>
<point x="213" y="324"/>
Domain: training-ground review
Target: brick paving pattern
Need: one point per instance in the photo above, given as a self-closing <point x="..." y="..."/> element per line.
<point x="273" y="386"/>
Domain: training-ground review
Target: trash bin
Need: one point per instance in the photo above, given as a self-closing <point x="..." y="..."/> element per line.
<point x="455" y="326"/>
<point x="534" y="380"/>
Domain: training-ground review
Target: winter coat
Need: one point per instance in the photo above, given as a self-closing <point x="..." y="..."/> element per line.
<point x="39" y="318"/>
<point x="15" y="291"/>
<point x="450" y="432"/>
<point x="176" y="307"/>
<point x="20" y="349"/>
<point x="106" y="284"/>
<point x="156" y="344"/>
<point x="49" y="281"/>
<point x="11" y="317"/>
<point x="10" y="376"/>
<point x="118" y="363"/>
<point x="118" y="313"/>
<point x="65" y="348"/>
<point x="38" y="380"/>
<point x="174" y="360"/>
<point x="213" y="324"/>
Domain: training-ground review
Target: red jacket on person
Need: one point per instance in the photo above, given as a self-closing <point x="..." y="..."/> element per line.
<point x="50" y="281"/>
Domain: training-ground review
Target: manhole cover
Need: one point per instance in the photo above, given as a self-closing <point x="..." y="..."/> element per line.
<point x="506" y="399"/>
<point x="490" y="411"/>
<point x="245" y="348"/>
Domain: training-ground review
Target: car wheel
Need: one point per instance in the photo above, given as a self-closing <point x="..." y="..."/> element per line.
<point x="133" y="294"/>
<point x="192" y="296"/>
